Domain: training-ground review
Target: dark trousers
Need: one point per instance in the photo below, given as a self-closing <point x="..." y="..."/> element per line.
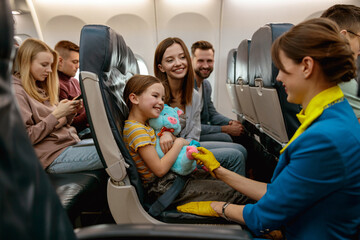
<point x="261" y="162"/>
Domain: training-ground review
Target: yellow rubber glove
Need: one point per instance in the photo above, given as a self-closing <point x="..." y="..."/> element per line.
<point x="206" y="158"/>
<point x="198" y="208"/>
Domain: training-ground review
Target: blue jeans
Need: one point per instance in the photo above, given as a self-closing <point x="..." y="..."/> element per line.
<point x="220" y="136"/>
<point x="79" y="157"/>
<point x="231" y="156"/>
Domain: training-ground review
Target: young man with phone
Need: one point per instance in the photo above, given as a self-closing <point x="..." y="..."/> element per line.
<point x="69" y="86"/>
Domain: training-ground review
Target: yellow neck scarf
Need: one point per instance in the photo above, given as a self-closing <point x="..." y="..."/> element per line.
<point x="315" y="108"/>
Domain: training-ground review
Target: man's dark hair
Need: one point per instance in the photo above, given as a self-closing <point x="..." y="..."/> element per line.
<point x="346" y="16"/>
<point x="64" y="47"/>
<point x="203" y="45"/>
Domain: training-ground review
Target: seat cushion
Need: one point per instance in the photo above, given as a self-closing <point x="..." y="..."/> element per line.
<point x="81" y="191"/>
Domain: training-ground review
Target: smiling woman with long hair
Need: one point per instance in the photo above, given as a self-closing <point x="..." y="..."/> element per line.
<point x="172" y="65"/>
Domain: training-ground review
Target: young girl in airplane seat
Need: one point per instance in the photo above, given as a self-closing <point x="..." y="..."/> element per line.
<point x="144" y="96"/>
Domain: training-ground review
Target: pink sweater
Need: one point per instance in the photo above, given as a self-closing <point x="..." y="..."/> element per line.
<point x="48" y="140"/>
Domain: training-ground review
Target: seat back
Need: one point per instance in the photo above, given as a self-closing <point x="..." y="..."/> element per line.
<point x="276" y="115"/>
<point x="29" y="205"/>
<point x="242" y="83"/>
<point x="106" y="63"/>
<point x="230" y="81"/>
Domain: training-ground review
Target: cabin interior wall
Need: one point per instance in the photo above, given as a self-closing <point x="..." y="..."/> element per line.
<point x="144" y="23"/>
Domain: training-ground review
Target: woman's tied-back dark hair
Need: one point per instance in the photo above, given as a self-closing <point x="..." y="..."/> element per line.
<point x="319" y="38"/>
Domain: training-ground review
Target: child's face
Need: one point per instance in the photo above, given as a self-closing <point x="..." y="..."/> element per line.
<point x="151" y="101"/>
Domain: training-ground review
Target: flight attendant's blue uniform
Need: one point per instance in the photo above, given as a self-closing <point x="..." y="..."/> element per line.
<point x="315" y="189"/>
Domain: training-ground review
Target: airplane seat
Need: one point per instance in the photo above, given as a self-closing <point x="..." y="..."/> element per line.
<point x="103" y="75"/>
<point x="242" y="83"/>
<point x="29" y="205"/>
<point x="276" y="115"/>
<point x="230" y="82"/>
<point x="82" y="195"/>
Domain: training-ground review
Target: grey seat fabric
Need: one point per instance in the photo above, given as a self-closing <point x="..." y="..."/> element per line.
<point x="30" y="208"/>
<point x="103" y="75"/>
<point x="242" y="83"/>
<point x="230" y="81"/>
<point x="276" y="115"/>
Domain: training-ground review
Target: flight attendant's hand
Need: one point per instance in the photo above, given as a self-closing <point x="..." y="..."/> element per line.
<point x="199" y="208"/>
<point x="206" y="158"/>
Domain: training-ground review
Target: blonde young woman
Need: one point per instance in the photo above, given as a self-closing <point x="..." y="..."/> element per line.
<point x="47" y="120"/>
<point x="315" y="189"/>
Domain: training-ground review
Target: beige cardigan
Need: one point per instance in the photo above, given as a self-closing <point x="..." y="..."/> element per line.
<point x="48" y="140"/>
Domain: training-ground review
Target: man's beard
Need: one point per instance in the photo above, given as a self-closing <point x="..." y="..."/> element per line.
<point x="203" y="76"/>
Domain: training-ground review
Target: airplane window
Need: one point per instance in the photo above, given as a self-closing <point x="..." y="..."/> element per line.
<point x="142" y="65"/>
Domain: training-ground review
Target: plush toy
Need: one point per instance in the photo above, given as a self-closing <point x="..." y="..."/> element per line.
<point x="169" y="121"/>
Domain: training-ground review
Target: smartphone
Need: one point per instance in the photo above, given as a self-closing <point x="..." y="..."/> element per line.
<point x="78" y="97"/>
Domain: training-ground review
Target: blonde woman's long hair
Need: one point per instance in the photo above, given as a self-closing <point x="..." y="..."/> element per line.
<point x="26" y="54"/>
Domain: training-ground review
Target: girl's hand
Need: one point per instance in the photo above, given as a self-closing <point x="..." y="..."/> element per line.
<point x="66" y="107"/>
<point x="166" y="141"/>
<point x="181" y="141"/>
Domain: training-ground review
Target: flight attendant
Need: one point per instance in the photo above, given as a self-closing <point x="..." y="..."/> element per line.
<point x="315" y="189"/>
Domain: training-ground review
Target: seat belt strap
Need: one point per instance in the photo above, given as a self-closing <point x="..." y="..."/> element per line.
<point x="168" y="197"/>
